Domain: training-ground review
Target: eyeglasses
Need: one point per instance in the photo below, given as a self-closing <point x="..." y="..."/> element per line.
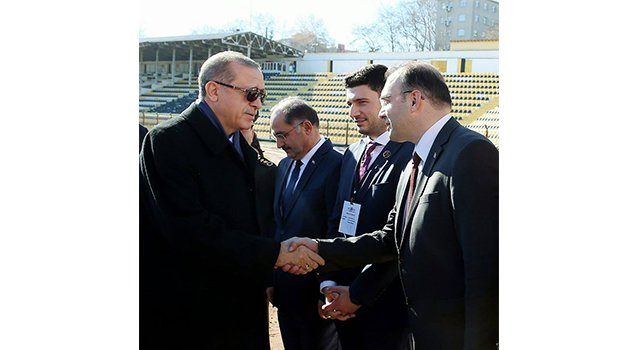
<point x="283" y="135"/>
<point x="251" y="94"/>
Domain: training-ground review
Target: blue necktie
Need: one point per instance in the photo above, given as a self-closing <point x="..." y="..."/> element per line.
<point x="288" y="191"/>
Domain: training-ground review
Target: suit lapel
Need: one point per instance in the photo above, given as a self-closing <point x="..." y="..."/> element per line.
<point x="351" y="161"/>
<point x="401" y="190"/>
<point x="436" y="150"/>
<point x="308" y="171"/>
<point x="357" y="154"/>
<point x="214" y="139"/>
<point x="373" y="172"/>
<point x="250" y="156"/>
<point x="283" y="173"/>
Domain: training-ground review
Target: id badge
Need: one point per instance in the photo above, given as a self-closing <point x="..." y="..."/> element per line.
<point x="349" y="218"/>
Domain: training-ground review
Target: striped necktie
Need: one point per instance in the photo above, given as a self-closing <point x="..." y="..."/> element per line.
<point x="288" y="191"/>
<point x="365" y="160"/>
<point x="415" y="162"/>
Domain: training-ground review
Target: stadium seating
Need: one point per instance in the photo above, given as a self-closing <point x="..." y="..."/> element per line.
<point x="488" y="125"/>
<point x="164" y="93"/>
<point x="475" y="102"/>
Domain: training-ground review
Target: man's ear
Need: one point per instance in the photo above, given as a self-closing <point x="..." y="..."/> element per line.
<point x="308" y="126"/>
<point x="211" y="91"/>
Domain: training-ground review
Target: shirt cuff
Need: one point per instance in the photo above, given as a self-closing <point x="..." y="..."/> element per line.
<point x="326" y="283"/>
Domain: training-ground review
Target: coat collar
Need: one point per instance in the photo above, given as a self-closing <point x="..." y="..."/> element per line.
<point x="434" y="154"/>
<point x="215" y="140"/>
<point x="309" y="169"/>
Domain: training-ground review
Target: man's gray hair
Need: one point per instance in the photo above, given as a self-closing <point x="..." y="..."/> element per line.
<point x="216" y="68"/>
<point x="295" y="108"/>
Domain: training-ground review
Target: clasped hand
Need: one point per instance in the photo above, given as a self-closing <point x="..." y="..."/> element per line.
<point x="338" y="304"/>
<point x="299" y="256"/>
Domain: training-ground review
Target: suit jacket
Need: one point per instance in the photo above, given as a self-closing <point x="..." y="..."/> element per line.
<point x="447" y="250"/>
<point x="307" y="215"/>
<point x="143" y="133"/>
<point x="380" y="293"/>
<point x="265" y="185"/>
<point x="202" y="254"/>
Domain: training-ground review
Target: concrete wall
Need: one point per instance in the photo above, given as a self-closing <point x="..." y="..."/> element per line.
<point x="342" y="63"/>
<point x="480" y="61"/>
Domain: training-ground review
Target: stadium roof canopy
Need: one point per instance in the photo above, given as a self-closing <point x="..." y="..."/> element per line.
<point x="203" y="46"/>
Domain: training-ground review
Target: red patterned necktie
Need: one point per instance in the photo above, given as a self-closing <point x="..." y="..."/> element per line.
<point x="415" y="162"/>
<point x="365" y="161"/>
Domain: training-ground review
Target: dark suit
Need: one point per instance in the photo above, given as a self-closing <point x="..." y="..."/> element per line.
<point x="265" y="184"/>
<point x="143" y="133"/>
<point x="448" y="249"/>
<point x="203" y="261"/>
<point x="382" y="321"/>
<point x="307" y="214"/>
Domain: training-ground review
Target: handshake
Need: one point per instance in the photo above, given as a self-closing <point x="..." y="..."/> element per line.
<point x="299" y="256"/>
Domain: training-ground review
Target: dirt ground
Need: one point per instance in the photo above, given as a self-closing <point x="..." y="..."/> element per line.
<point x="274" y="154"/>
<point x="274" y="331"/>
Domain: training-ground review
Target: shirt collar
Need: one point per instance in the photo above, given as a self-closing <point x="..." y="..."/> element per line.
<point x="426" y="141"/>
<point x="382" y="139"/>
<point x="311" y="153"/>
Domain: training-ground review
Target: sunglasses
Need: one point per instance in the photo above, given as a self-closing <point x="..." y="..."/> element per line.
<point x="251" y="94"/>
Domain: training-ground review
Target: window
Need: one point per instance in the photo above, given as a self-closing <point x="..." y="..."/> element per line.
<point x="476" y="18"/>
<point x="485" y="20"/>
<point x="477" y="3"/>
<point x="462" y="18"/>
<point x="463" y="3"/>
<point x="461" y="32"/>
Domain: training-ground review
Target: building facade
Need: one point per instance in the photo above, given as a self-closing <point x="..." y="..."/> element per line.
<point x="465" y="20"/>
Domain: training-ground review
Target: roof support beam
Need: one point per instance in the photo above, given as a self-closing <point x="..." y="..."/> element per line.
<point x="190" y="56"/>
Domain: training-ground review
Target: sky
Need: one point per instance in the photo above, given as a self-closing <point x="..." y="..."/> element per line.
<point x="167" y="18"/>
<point x="68" y="189"/>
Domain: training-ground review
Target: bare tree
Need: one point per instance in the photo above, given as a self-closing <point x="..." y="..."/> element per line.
<point x="409" y="25"/>
<point x="263" y="24"/>
<point x="369" y="36"/>
<point x="237" y="25"/>
<point x="311" y="36"/>
<point x="389" y="27"/>
<point x="419" y="17"/>
<point x="206" y="29"/>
